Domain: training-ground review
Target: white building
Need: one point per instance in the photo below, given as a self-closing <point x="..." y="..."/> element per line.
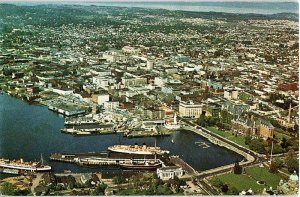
<point x="169" y="172"/>
<point x="130" y="50"/>
<point x="150" y="64"/>
<point x="100" y="98"/>
<point x="190" y="109"/>
<point x="231" y="94"/>
<point x="112" y="56"/>
<point x="62" y="92"/>
<point x="110" y="105"/>
<point x="159" y="81"/>
<point x="134" y="81"/>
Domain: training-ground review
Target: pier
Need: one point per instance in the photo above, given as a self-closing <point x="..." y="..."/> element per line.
<point x="105" y="159"/>
<point x="87" y="129"/>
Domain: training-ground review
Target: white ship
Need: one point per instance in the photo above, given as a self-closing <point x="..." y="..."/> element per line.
<point x="19" y="166"/>
<point x="174" y="124"/>
<point x="140" y="150"/>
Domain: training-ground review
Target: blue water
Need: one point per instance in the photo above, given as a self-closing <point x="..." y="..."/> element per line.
<point x="27" y="131"/>
<point x="229" y="7"/>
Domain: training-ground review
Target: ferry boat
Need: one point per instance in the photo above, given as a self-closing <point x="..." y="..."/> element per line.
<point x="139" y="150"/>
<point x="20" y="166"/>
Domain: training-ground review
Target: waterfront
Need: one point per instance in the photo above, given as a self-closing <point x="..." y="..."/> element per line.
<point x="27" y="131"/>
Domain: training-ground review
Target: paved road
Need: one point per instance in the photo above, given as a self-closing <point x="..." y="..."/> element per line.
<point x="36" y="182"/>
<point x="258" y="158"/>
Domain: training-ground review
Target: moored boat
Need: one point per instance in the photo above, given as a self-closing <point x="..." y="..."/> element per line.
<point x="136" y="149"/>
<point x="20" y="166"/>
<point x="141" y="165"/>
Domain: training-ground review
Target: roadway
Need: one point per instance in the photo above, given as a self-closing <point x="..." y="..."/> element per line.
<point x="204" y="185"/>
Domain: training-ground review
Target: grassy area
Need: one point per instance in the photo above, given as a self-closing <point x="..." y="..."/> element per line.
<point x="249" y="180"/>
<point x="228" y="135"/>
<point x="262" y="174"/>
<point x="240" y="182"/>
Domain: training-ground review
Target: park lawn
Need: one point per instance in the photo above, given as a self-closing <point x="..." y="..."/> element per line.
<point x="263" y="174"/>
<point x="240" y="182"/>
<point x="225" y="134"/>
<point x="238" y="140"/>
<point x="281" y="135"/>
<point x="228" y="135"/>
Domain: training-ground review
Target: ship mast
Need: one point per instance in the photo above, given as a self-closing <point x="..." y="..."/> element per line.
<point x="42" y="159"/>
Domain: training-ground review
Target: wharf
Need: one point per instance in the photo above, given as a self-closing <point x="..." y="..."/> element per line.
<point x="103" y="158"/>
<point x="89" y="129"/>
<point x="160" y="131"/>
<point x="111" y="159"/>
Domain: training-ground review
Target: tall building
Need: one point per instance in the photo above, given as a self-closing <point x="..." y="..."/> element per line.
<point x="190" y="109"/>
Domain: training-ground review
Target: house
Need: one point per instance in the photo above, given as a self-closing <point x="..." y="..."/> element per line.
<point x="169" y="172"/>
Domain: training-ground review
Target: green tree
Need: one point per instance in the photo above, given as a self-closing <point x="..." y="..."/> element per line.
<point x="248" y="139"/>
<point x="163" y="190"/>
<point x="277" y="149"/>
<point x="290" y="155"/>
<point x="225" y="117"/>
<point x="233" y="191"/>
<point x="293" y="165"/>
<point x="8" y="189"/>
<point x="217" y="183"/>
<point x="118" y="180"/>
<point x="278" y="163"/>
<point x="224" y="188"/>
<point x="273" y="167"/>
<point x="201" y="120"/>
<point x="100" y="189"/>
<point x="257" y="145"/>
<point x="237" y="169"/>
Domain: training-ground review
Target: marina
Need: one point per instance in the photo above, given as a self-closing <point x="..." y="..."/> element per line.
<point x="37" y="132"/>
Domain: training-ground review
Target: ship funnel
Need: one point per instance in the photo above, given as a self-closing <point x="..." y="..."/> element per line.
<point x="21" y="160"/>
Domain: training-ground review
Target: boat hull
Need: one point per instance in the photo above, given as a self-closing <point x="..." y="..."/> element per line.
<point x="140" y="167"/>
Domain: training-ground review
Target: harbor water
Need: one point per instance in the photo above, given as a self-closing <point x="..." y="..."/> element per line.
<point x="28" y="131"/>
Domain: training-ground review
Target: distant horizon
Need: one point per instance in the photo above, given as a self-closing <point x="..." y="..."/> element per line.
<point x="144" y="1"/>
<point x="226" y="6"/>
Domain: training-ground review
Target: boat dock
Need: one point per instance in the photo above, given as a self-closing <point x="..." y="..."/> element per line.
<point x="104" y="159"/>
<point x="88" y="129"/>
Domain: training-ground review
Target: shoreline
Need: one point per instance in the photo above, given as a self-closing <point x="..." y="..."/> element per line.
<point x="218" y="142"/>
<point x="196" y="174"/>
